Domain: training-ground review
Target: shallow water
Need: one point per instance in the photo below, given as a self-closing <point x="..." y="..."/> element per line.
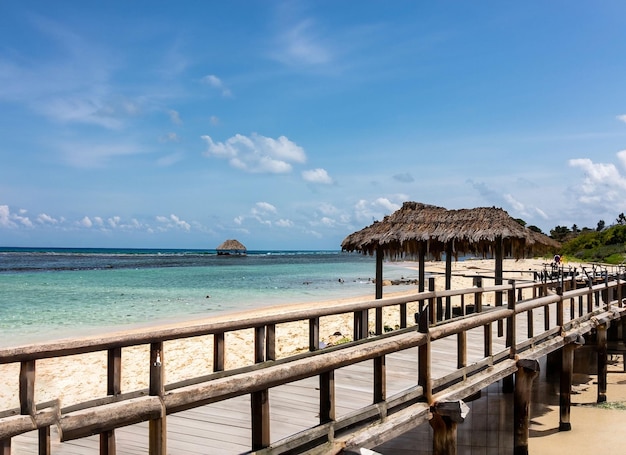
<point x="58" y="293"/>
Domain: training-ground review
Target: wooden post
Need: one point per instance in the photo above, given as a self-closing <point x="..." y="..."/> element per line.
<point x="508" y="383"/>
<point x="602" y="362"/>
<point x="270" y="342"/>
<point x="114" y="388"/>
<point x="327" y="397"/>
<point x="157" y="427"/>
<point x="424" y="357"/>
<point x="218" y="351"/>
<point x="565" y="395"/>
<point x="461" y="348"/>
<point x="44" y="441"/>
<point x="380" y="379"/>
<point x="560" y="310"/>
<point x="259" y="401"/>
<point x="259" y="344"/>
<point x="314" y="334"/>
<point x="5" y="446"/>
<point x="446" y="416"/>
<point x="432" y="309"/>
<point x="527" y="371"/>
<point x="260" y="405"/>
<point x="27" y="388"/>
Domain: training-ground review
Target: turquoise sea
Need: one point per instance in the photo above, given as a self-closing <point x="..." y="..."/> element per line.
<point x="56" y="293"/>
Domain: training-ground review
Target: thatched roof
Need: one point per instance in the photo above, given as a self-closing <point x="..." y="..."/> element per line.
<point x="231" y="245"/>
<point x="427" y="227"/>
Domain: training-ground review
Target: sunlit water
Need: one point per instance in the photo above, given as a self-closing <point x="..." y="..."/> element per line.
<point x="46" y="294"/>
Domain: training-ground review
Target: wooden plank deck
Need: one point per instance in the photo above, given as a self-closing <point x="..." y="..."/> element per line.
<point x="225" y="427"/>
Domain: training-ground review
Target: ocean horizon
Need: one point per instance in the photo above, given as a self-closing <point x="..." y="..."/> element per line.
<point x="53" y="293"/>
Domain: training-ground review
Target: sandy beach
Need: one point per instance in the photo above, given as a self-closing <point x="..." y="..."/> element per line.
<point x="79" y="378"/>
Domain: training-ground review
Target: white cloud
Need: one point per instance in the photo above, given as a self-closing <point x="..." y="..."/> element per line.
<point x="317" y="176"/>
<point x="170" y="159"/>
<point x="217" y="83"/>
<point x="86" y="222"/>
<point x="263" y="207"/>
<point x="95" y="156"/>
<point x="175" y="117"/>
<point x="377" y="209"/>
<point x="603" y="185"/>
<point x="622" y="118"/>
<point x="170" y="137"/>
<point x="114" y="221"/>
<point x="44" y="218"/>
<point x="284" y="223"/>
<point x="302" y="45"/>
<point x="13" y="220"/>
<point x="327" y="209"/>
<point x="172" y="221"/>
<point x="256" y="153"/>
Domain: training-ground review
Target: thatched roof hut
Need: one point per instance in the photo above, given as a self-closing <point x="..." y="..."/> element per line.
<point x="421" y="230"/>
<point x="434" y="230"/>
<point x="231" y="247"/>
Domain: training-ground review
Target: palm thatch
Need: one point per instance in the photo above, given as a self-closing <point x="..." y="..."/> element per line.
<point x="432" y="230"/>
<point x="231" y="247"/>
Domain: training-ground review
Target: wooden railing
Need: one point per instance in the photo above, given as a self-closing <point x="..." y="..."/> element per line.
<point x="567" y="314"/>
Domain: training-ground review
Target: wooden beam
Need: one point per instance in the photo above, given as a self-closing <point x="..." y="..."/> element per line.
<point x="527" y="371"/>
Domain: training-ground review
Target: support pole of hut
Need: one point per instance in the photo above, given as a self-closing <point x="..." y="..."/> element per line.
<point x="446" y="417"/>
<point x="421" y="277"/>
<point x="380" y="384"/>
<point x="448" y="284"/>
<point x="498" y="278"/>
<point x="527" y="371"/>
<point x="602" y="361"/>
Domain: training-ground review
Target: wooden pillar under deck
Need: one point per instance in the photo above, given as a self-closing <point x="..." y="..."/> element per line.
<point x="602" y="362"/>
<point x="446" y="416"/>
<point x="565" y="395"/>
<point x="527" y="371"/>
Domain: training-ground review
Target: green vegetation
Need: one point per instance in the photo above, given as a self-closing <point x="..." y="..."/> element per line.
<point x="603" y="244"/>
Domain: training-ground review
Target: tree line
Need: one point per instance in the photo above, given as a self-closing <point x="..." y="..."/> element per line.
<point x="605" y="244"/>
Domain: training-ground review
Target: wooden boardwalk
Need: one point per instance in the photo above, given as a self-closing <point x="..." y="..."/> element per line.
<point x="225" y="427"/>
<point x="450" y="357"/>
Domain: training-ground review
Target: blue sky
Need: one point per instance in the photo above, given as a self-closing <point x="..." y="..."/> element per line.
<point x="292" y="124"/>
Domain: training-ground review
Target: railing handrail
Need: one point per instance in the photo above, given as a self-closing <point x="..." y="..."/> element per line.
<point x="129" y="408"/>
